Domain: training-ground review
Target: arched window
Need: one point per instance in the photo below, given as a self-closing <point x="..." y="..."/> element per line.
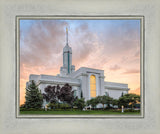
<point x="92" y="86"/>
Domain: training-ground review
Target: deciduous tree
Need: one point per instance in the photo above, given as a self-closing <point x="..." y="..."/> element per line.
<point x="80" y="103"/>
<point x="104" y="100"/>
<point x="129" y="99"/>
<point x="93" y="102"/>
<point x="50" y="94"/>
<point x="66" y="94"/>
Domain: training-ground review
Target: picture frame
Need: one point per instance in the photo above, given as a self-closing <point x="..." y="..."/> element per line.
<point x="78" y="17"/>
<point x="8" y="121"/>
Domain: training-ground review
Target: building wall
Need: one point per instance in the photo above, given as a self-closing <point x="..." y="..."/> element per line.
<point x="115" y="93"/>
<point x="80" y="82"/>
<point x="115" y="89"/>
<point x="84" y="75"/>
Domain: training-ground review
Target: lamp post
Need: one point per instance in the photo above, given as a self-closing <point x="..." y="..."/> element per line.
<point x="122" y="109"/>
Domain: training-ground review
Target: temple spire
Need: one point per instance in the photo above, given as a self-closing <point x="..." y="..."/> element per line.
<point x="66" y="36"/>
<point x="67" y="67"/>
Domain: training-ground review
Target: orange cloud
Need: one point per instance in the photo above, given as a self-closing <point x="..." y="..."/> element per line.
<point x="115" y="67"/>
<point x="136" y="91"/>
<point x="131" y="71"/>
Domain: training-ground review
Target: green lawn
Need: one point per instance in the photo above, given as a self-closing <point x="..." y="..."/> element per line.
<point x="79" y="112"/>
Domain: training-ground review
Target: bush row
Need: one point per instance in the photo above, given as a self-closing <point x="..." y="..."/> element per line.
<point x="75" y="109"/>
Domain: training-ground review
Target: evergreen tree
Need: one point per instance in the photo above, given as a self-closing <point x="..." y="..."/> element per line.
<point x="122" y="94"/>
<point x="81" y="94"/>
<point x="34" y="98"/>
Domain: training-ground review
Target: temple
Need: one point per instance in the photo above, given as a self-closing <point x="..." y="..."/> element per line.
<point x="86" y="82"/>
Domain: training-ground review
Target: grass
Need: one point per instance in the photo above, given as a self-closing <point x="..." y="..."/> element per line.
<point x="78" y="112"/>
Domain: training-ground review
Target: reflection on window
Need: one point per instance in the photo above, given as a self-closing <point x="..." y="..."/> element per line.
<point x="92" y="86"/>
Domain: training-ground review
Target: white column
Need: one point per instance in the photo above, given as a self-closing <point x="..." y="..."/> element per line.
<point x="102" y="91"/>
<point x="97" y="85"/>
<point x="84" y="86"/>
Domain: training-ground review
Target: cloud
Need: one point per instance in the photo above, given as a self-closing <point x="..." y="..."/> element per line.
<point x="136" y="91"/>
<point x="131" y="71"/>
<point x="83" y="43"/>
<point x="120" y="39"/>
<point x="137" y="54"/>
<point x="42" y="42"/>
<point x="115" y="67"/>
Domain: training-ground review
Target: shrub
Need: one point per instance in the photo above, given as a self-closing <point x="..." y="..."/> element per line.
<point x="64" y="106"/>
<point x="31" y="109"/>
<point x="56" y="106"/>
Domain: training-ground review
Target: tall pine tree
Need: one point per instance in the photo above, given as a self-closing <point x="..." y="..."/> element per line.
<point x="34" y="98"/>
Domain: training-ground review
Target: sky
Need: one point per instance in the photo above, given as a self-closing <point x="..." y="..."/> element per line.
<point x="109" y="45"/>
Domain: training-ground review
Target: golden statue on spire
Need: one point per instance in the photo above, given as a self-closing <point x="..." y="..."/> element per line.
<point x="66" y="29"/>
<point x="66" y="35"/>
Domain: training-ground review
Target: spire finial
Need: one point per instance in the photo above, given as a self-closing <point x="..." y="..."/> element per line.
<point x="67" y="36"/>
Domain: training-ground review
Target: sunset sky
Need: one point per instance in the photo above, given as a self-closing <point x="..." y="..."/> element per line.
<point x="109" y="45"/>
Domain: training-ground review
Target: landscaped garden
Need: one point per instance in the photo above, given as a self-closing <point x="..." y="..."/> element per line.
<point x="62" y="101"/>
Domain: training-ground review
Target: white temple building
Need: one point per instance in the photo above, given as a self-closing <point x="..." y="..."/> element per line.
<point x="86" y="81"/>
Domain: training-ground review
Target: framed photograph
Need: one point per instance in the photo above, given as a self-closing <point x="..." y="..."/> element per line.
<point x="99" y="46"/>
<point x="79" y="67"/>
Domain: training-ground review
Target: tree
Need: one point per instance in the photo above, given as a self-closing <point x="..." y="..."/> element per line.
<point x="54" y="94"/>
<point x="88" y="102"/>
<point x="93" y="102"/>
<point x="34" y="98"/>
<point x="104" y="100"/>
<point x="122" y="94"/>
<point x="101" y="99"/>
<point x="81" y="94"/>
<point x="80" y="103"/>
<point x="134" y="99"/>
<point x="50" y="94"/>
<point x="129" y="99"/>
<point x="114" y="102"/>
<point x="66" y="94"/>
<point x="58" y="90"/>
